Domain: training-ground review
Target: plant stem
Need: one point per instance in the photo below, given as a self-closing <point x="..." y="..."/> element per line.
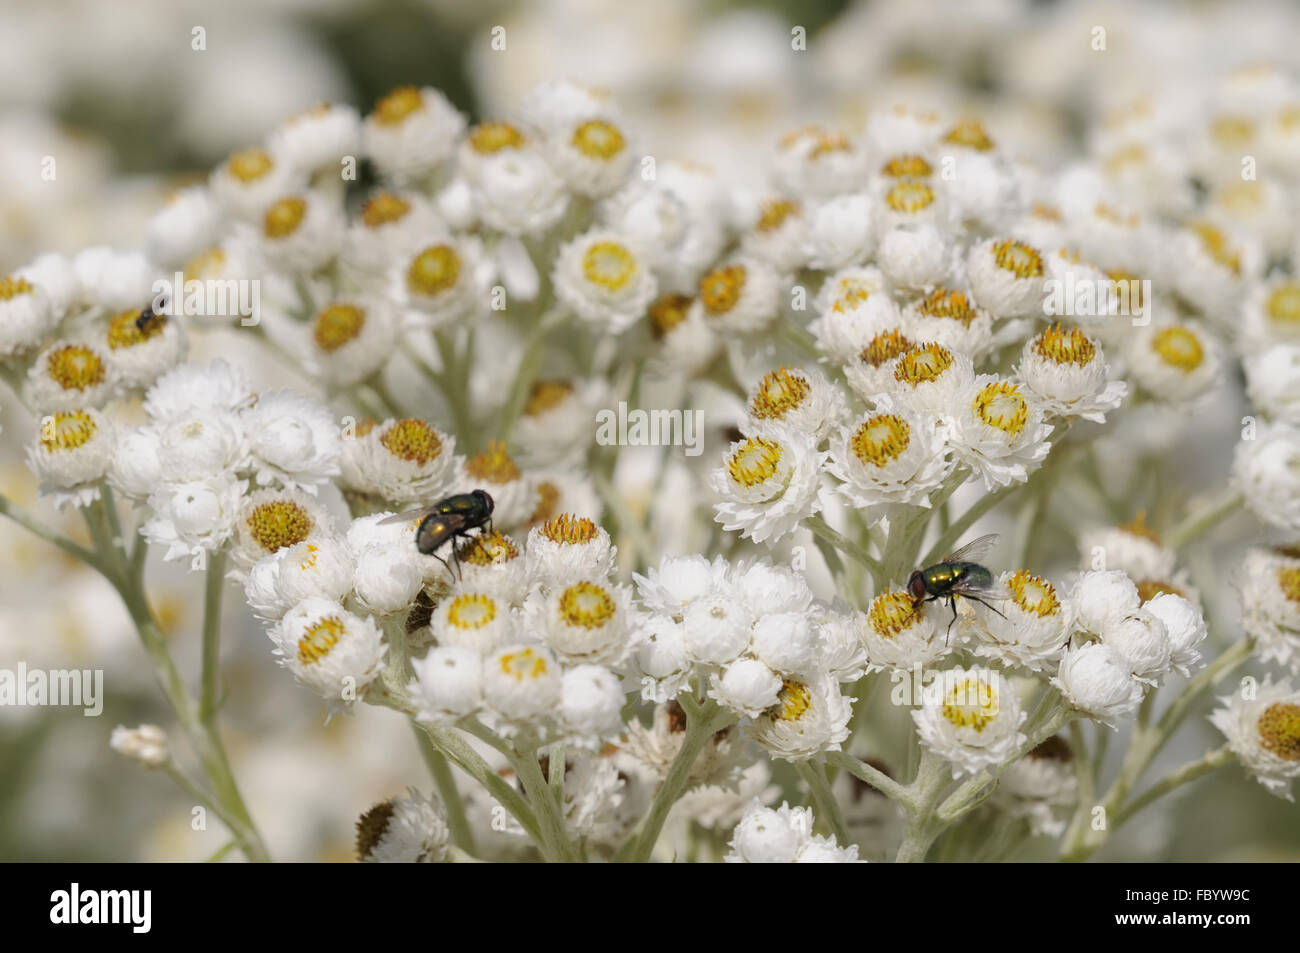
<point x="1203" y="520"/>
<point x="822" y="530"/>
<point x="462" y="835"/>
<point x="210" y="684"/>
<point x="828" y="809"/>
<point x="868" y="775"/>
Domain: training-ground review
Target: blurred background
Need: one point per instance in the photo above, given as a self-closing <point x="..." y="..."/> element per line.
<point x="137" y="97"/>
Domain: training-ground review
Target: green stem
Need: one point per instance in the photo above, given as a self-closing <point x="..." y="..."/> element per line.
<point x="456" y="748"/>
<point x="462" y="835"/>
<point x="828" y="809"/>
<point x="35" y="526"/>
<point x="822" y="530"/>
<point x="210" y="685"/>
<point x="1203" y="520"/>
<point x="869" y="775"/>
<point x="529" y="366"/>
<point x="1211" y="761"/>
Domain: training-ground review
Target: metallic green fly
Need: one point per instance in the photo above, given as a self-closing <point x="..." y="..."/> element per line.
<point x="959" y="575"/>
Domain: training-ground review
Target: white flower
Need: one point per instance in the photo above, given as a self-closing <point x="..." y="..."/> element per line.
<point x="70" y="376"/>
<point x="407" y="462"/>
<point x="717" y="627"/>
<point x="998" y="431"/>
<point x="72" y="453"/>
<point x="26" y="315"/>
<point x="558" y="421"/>
<point x="1101" y="599"/>
<point x="367" y="532"/>
<point x="840" y="232"/>
<point x="392" y="225"/>
<point x="1031" y="628"/>
<point x="320" y="566"/>
<point x="739" y="296"/>
<point x="217" y="385"/>
<point x="54" y="275"/>
<point x="819" y="163"/>
<point x="786" y="642"/>
<point x="448" y="684"/>
<point x="900" y="634"/>
<point x="854" y="307"/>
<point x="887" y="458"/>
<point x="661" y="656"/>
<point x="1270" y="315"/>
<point x="1211" y="268"/>
<point x="136" y="468"/>
<point x="1096" y="680"/>
<point x="410" y="132"/>
<point x="515" y="190"/>
<point x="186" y="226"/>
<point x="1038" y="786"/>
<point x="1133" y="549"/>
<point x="386" y="579"/>
<point x="778" y="237"/>
<point x="950" y="319"/>
<point x="801" y="398"/>
<point x="201" y="443"/>
<point x="768" y="587"/>
<point x="352" y="339"/>
<point x="1185" y="627"/>
<point x="591" y="700"/>
<point x="1007" y="277"/>
<point x="591" y="153"/>
<point x="1269" y="583"/>
<point x="1266" y="471"/>
<point x="843" y="653"/>
<point x="745" y="686"/>
<point x="604" y="279"/>
<point x="929" y="378"/>
<point x="826" y="850"/>
<point x="440" y="282"/>
<point x="585" y="621"/>
<point x="917" y="257"/>
<point x="567" y="548"/>
<point x="768" y="483"/>
<point x="318" y="139"/>
<point x="271" y="519"/>
<point x="330" y="650"/>
<point x="138" y="355"/>
<point x="679" y="581"/>
<point x="1264" y="733"/>
<point x="112" y="279"/>
<point x="809" y="718"/>
<point x="1068" y="374"/>
<point x="247" y="183"/>
<point x="195" y="515"/>
<point x="1176" y="363"/>
<point x="146" y="744"/>
<point x="474" y="620"/>
<point x="1142" y="641"/>
<point x="493" y="563"/>
<point x="301" y="233"/>
<point x="522" y="682"/>
<point x="971" y="719"/>
<point x="404" y="830"/>
<point x="294" y="441"/>
<point x="1273" y="382"/>
<point x="771" y="836"/>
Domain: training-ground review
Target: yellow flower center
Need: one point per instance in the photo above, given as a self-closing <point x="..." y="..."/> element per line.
<point x="829" y="142"/>
<point x="1138" y="527"/>
<point x="1284" y="303"/>
<point x="284" y="217"/>
<point x="1000" y="404"/>
<point x="598" y="139"/>
<point x="792" y="702"/>
<point x="909" y="196"/>
<point x="970" y="134"/>
<point x="891" y="612"/>
<point x="1148" y="589"/>
<point x="491" y="137"/>
<point x="69" y="430"/>
<point x="972" y="703"/>
<point x="754" y="462"/>
<point x="568" y="529"/>
<point x="1018" y="258"/>
<point x="493" y="465"/>
<point x="1279" y="730"/>
<point x="587" y="605"/>
<point x="668" y="312"/>
<point x="412" y="440"/>
<point x="780" y="392"/>
<point x="124" y="329"/>
<point x="721" y="289"/>
<point x="313" y="552"/>
<point x="1065" y="347"/>
<point x="11" y="287"/>
<point x="1108" y="213"/>
<point x="1289" y="581"/>
<point x="907" y="167"/>
<point x="1178" y="347"/>
<point x="608" y="264"/>
<point x="384" y="209"/>
<point x="774" y="214"/>
<point x="489" y="549"/>
<point x="1216" y="246"/>
<point x="1034" y="594"/>
<point x="278" y="523"/>
<point x="547" y="395"/>
<point x="884" y="347"/>
<point x="1241" y="198"/>
<point x="208" y="264"/>
<point x="852" y="293"/>
<point x="337" y="325"/>
<point x="942" y="303"/>
<point x="1231" y="131"/>
<point x="434" y="270"/>
<point x="1048" y="213"/>
<point x="471" y="611"/>
<point x="393" y="109"/>
<point x="75" y="367"/>
<point x="881" y="440"/>
<point x="526" y="663"/>
<point x="248" y="165"/>
<point x="319" y="640"/>
<point x="548" y="499"/>
<point x="923" y="365"/>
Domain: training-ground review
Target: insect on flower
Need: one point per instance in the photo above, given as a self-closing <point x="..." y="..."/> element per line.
<point x="959" y="575"/>
<point x="448" y="519"/>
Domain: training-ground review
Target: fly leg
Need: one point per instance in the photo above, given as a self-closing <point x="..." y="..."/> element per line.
<point x="985" y="605"/>
<point x="952" y="603"/>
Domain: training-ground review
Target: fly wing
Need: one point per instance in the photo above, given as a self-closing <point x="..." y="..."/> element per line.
<point x="975" y="550"/>
<point x="982" y="588"/>
<point x="407" y="516"/>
